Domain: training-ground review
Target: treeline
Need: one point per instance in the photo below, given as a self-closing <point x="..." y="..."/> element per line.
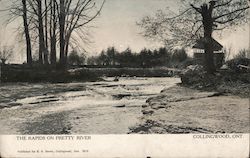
<point x="111" y="57"/>
<point x="53" y="25"/>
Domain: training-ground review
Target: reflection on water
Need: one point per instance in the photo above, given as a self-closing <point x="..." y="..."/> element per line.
<point x="105" y="107"/>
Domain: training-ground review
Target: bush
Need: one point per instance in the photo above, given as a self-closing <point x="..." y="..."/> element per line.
<point x="193" y="74"/>
<point x="234" y="64"/>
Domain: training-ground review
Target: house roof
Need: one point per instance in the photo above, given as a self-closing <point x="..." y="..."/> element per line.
<point x="200" y="44"/>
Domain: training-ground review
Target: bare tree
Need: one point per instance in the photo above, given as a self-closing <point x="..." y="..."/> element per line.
<point x="26" y="32"/>
<point x="18" y="9"/>
<point x="196" y="19"/>
<point x="73" y="16"/>
<point x="55" y="20"/>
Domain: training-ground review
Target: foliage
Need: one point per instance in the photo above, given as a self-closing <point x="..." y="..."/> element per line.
<point x="127" y="58"/>
<point x="179" y="55"/>
<point x="76" y="59"/>
<point x="146" y="58"/>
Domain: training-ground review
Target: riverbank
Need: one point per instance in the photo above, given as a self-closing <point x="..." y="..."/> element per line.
<point x="36" y="74"/>
<point x="184" y="110"/>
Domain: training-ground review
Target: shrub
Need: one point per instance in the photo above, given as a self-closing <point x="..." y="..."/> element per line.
<point x="234" y="64"/>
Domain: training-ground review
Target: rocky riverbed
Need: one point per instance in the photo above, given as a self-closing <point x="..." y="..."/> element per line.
<point x="110" y="106"/>
<point x="183" y="110"/>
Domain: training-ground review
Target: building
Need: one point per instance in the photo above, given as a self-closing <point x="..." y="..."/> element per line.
<point x="219" y="55"/>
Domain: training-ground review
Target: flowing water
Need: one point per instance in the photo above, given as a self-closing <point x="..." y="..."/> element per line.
<point x="105" y="107"/>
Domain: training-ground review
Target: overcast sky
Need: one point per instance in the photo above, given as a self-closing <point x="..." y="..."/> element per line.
<point x="117" y="27"/>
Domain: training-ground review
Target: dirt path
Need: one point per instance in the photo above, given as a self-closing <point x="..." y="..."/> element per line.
<point x="183" y="110"/>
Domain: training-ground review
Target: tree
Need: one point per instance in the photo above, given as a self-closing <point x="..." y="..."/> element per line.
<point x="111" y="54"/>
<point x="62" y="19"/>
<point x="103" y="58"/>
<point x="73" y="16"/>
<point x="165" y="56"/>
<point x="28" y="10"/>
<point x="52" y="31"/>
<point x="75" y="58"/>
<point x="18" y="9"/>
<point x="196" y="19"/>
<point x="55" y="20"/>
<point x="179" y="55"/>
<point x="92" y="61"/>
<point x="26" y="32"/>
<point x="5" y="54"/>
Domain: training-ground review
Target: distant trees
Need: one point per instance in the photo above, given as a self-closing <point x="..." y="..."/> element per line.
<point x="179" y="55"/>
<point x="145" y="58"/>
<point x="76" y="58"/>
<point x="6" y="52"/>
<point x="53" y="25"/>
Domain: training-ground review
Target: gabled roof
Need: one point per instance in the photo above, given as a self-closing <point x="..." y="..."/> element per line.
<point x="200" y="44"/>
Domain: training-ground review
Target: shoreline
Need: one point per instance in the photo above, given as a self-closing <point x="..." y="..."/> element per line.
<point x="22" y="73"/>
<point x="180" y="110"/>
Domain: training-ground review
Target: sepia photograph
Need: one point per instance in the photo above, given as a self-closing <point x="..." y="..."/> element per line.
<point x="71" y="67"/>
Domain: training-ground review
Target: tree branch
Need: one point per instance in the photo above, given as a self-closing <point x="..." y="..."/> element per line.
<point x="196" y="8"/>
<point x="226" y="14"/>
<point x="223" y="4"/>
<point x="230" y="19"/>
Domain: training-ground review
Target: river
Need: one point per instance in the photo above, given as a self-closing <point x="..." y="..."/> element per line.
<point x="105" y="107"/>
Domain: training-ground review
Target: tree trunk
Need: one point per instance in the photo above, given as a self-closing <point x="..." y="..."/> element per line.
<point x="62" y="33"/>
<point x="67" y="41"/>
<point x="42" y="57"/>
<point x="208" y="42"/>
<point x="46" y="52"/>
<point x="209" y="57"/>
<point x="27" y="35"/>
<point x="53" y="33"/>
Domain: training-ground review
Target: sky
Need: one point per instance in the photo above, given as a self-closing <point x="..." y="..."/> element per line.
<point x="116" y="26"/>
